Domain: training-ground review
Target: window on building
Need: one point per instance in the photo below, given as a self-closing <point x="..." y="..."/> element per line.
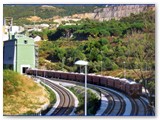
<point x="25" y="41"/>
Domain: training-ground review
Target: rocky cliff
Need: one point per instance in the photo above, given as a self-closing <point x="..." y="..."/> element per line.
<point x="119" y="11"/>
<point x="114" y="12"/>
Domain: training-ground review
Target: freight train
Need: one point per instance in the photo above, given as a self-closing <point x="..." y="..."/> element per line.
<point x="129" y="87"/>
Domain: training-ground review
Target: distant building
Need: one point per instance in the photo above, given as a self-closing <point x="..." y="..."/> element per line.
<point x="9" y="28"/>
<point x="37" y="27"/>
<point x="12" y="29"/>
<point x="19" y="53"/>
<point x="37" y="38"/>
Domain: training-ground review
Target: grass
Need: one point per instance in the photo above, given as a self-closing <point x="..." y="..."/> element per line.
<point x="21" y="95"/>
<point x="52" y="96"/>
<point x="93" y="102"/>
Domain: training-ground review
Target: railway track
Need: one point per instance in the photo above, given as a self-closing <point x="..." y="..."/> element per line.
<point x="142" y="107"/>
<point x="119" y="105"/>
<point x="138" y="105"/>
<point x="116" y="102"/>
<point x="134" y="111"/>
<point x="66" y="104"/>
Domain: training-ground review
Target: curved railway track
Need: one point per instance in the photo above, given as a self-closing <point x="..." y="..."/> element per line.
<point x="66" y="104"/>
<point x="142" y="107"/>
<point x="134" y="111"/>
<point x="119" y="105"/>
<point x="116" y="103"/>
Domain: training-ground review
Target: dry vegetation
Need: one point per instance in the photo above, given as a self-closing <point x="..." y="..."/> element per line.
<point x="21" y="95"/>
<point x="130" y="74"/>
<point x="34" y="18"/>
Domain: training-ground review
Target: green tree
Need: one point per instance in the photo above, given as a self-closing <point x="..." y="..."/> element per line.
<point x="141" y="56"/>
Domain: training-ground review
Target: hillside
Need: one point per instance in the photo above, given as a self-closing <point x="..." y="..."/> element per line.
<point x="53" y="13"/>
<point x="21" y="95"/>
<point x="44" y="11"/>
<point x="121" y="48"/>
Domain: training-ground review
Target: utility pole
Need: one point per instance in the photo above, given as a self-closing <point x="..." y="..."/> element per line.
<point x="101" y="67"/>
<point x="101" y="62"/>
<point x="124" y="71"/>
<point x="63" y="60"/>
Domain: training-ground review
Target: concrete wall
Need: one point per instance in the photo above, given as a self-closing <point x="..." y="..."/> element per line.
<point x="19" y="52"/>
<point x="25" y="53"/>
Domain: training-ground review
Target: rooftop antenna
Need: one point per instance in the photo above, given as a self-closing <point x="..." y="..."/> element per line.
<point x="34" y="15"/>
<point x="8" y="21"/>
